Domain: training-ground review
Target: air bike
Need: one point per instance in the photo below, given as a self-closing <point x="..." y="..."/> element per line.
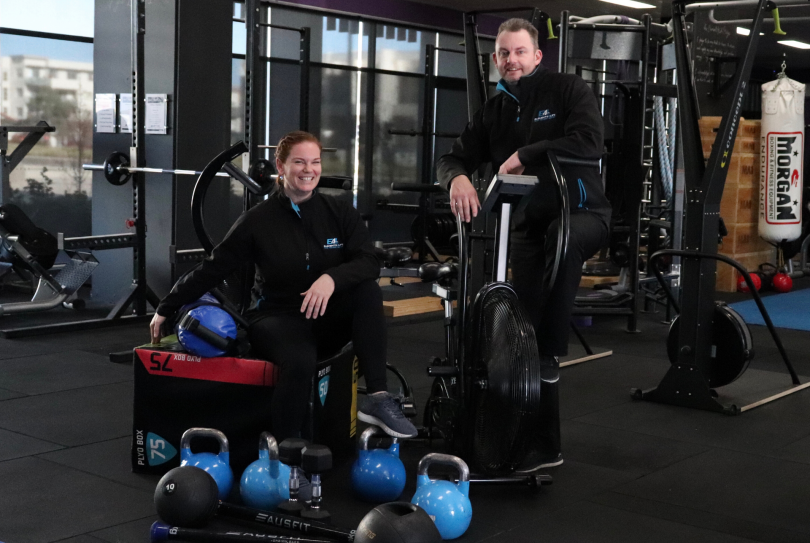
<point x="485" y="397"/>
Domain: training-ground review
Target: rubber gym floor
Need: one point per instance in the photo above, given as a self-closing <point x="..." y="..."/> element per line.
<point x="633" y="471"/>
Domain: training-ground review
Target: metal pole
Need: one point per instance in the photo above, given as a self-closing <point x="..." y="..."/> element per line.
<point x="137" y="153"/>
<point x="371" y="99"/>
<point x="303" y="115"/>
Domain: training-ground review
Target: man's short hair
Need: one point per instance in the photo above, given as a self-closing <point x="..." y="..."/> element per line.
<point x="517" y="24"/>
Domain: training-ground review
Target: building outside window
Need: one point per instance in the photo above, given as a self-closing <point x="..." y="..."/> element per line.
<point x="38" y="49"/>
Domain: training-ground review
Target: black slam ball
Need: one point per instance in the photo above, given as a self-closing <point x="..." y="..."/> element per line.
<point x="186" y="497"/>
<point x="397" y="522"/>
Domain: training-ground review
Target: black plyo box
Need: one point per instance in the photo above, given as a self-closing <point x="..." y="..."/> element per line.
<point x="177" y="391"/>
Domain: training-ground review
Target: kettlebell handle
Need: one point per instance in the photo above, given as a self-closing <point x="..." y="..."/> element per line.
<point x="185" y="441"/>
<point x="268" y="443"/>
<point x="446" y="459"/>
<point x="366" y="435"/>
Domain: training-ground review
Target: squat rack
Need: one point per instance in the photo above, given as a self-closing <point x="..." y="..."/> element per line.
<point x="138" y="293"/>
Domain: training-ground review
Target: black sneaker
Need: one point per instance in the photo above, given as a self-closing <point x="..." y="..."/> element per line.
<point x="536" y="461"/>
<point x="383" y="410"/>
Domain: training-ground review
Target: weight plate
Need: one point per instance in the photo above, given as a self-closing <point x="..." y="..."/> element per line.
<point x="732" y="346"/>
<point x="116" y="168"/>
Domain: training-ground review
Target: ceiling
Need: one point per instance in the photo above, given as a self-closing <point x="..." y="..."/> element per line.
<point x="582" y="8"/>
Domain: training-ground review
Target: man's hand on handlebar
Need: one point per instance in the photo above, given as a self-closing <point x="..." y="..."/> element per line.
<point x="154" y="328"/>
<point x="512" y="165"/>
<point x="464" y="198"/>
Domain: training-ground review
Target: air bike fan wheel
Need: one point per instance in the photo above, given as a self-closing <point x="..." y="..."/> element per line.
<point x="504" y="380"/>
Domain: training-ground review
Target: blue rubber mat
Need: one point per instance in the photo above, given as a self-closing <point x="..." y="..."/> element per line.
<point x="791" y="310"/>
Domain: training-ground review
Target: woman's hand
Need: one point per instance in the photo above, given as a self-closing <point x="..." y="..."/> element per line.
<point x="316" y="298"/>
<point x="154" y="328"/>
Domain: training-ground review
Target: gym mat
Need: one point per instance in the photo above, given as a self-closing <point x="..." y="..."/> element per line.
<point x="727" y="481"/>
<point x="749" y="529"/>
<point x="14" y="445"/>
<point x="789" y="310"/>
<point x="596" y="523"/>
<point x="60" y="371"/>
<point x="623" y="450"/>
<point x="760" y="431"/>
<point x="108" y="459"/>
<point x="67" y="502"/>
<point x="72" y="417"/>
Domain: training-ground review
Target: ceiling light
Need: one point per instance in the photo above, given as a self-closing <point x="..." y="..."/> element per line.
<point x="743" y="31"/>
<point x="630" y="4"/>
<point x="796" y="44"/>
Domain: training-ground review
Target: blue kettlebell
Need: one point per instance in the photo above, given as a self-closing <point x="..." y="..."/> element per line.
<point x="217" y="465"/>
<point x="266" y="482"/>
<point x="378" y="475"/>
<point x="448" y="504"/>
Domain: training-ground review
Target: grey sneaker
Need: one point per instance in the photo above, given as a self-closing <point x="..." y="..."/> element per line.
<point x="384" y="411"/>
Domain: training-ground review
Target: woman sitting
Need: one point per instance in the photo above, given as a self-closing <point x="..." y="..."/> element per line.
<point x="315" y="289"/>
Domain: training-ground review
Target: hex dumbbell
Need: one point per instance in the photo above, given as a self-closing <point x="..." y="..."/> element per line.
<point x="316" y="459"/>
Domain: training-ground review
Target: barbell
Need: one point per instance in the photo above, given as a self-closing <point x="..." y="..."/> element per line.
<point x="117" y="171"/>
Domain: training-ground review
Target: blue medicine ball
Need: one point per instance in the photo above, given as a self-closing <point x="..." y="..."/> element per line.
<point x="211" y="317"/>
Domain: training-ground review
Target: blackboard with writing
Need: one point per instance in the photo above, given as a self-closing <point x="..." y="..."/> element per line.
<point x="712" y="41"/>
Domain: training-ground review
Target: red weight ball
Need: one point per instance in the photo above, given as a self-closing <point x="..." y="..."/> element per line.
<point x="742" y="286"/>
<point x="782" y="282"/>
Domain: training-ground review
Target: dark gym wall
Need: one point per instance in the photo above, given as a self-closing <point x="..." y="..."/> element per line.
<point x="187" y="56"/>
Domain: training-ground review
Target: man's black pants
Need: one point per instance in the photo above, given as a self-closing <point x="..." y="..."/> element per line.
<point x="295" y="344"/>
<point x="532" y="251"/>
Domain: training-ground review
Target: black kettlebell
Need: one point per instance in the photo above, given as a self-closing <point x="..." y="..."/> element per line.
<point x="186" y="497"/>
<point x="397" y="522"/>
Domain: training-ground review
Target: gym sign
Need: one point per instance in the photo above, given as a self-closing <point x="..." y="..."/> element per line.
<point x="781" y="194"/>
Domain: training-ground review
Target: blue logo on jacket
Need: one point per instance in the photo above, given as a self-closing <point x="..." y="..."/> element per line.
<point x="332" y="243"/>
<point x="544" y="115"/>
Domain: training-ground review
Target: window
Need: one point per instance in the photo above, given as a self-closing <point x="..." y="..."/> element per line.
<point x="50" y="184"/>
<point x="71" y="74"/>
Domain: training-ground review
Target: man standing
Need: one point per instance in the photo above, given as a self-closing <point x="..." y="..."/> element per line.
<point x="537" y="110"/>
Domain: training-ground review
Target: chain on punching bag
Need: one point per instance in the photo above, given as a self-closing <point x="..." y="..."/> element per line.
<point x="781" y="159"/>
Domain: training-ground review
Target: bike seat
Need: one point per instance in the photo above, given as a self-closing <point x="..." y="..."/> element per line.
<point x="394" y="256"/>
<point x="436" y="271"/>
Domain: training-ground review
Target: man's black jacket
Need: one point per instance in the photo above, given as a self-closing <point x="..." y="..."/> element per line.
<point x="544" y="110"/>
<point x="289" y="251"/>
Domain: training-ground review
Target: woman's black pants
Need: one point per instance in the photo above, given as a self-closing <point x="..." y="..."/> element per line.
<point x="295" y="344"/>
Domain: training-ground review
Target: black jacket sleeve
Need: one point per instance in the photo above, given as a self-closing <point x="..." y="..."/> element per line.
<point x="469" y="151"/>
<point x="584" y="130"/>
<point x="232" y="252"/>
<point x="362" y="263"/>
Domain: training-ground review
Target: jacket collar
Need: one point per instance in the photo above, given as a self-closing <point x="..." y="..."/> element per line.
<point x="524" y="85"/>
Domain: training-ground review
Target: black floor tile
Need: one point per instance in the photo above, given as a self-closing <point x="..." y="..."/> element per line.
<point x="798" y="451"/>
<point x="73" y="417"/>
<point x="601" y="524"/>
<point x="14" y="445"/>
<point x="108" y="459"/>
<point x="136" y="531"/>
<point x="722" y="523"/>
<point x="61" y="371"/>
<point x="9" y="394"/>
<point x="43" y="501"/>
<point x="622" y="450"/>
<point x="769" y="491"/>
<point x="762" y="430"/>
<point x="84" y="538"/>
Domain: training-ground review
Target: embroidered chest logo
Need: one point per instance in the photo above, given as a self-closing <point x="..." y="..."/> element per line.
<point x="544" y="115"/>
<point x="332" y="243"/>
